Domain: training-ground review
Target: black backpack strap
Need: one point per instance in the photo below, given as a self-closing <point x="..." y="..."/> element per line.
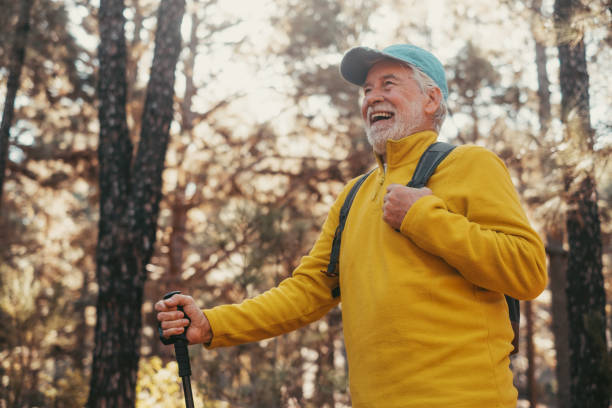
<point x="514" y="311"/>
<point x="332" y="268"/>
<point x="429" y="162"/>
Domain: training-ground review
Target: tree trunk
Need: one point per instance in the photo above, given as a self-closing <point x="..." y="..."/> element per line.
<point x="557" y="267"/>
<point x="543" y="92"/>
<point x="12" y="85"/>
<point x="544" y="112"/>
<point x="557" y="257"/>
<point x="586" y="300"/>
<point x="590" y="383"/>
<point x="129" y="198"/>
<point x="115" y="355"/>
<point x="532" y="384"/>
<point x="157" y="116"/>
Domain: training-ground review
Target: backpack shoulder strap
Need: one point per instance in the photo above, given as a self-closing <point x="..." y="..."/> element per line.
<point x="514" y="312"/>
<point x="428" y="163"/>
<point x="332" y="268"/>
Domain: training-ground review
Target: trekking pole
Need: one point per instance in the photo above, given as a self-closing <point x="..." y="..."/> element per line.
<point x="182" y="355"/>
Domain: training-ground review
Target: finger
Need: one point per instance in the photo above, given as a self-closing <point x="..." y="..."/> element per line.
<point x="387" y="218"/>
<point x="169" y="316"/>
<point x="178" y="300"/>
<point x="174" y="324"/>
<point x="386" y="211"/>
<point x="161" y="306"/>
<point x="173" y="332"/>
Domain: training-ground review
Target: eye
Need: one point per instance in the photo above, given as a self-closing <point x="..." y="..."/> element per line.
<point x="366" y="90"/>
<point x="389" y="82"/>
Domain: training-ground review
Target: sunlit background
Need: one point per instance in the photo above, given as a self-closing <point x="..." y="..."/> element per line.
<point x="265" y="136"/>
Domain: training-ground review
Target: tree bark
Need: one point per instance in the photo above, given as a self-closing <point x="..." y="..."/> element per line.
<point x="532" y="384"/>
<point x="544" y="112"/>
<point x="557" y="256"/>
<point x="557" y="268"/>
<point x="12" y="85"/>
<point x="586" y="299"/>
<point x="129" y="198"/>
<point x="590" y="382"/>
<point x="115" y="355"/>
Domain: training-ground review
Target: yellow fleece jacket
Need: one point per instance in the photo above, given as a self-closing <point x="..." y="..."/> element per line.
<point x="424" y="316"/>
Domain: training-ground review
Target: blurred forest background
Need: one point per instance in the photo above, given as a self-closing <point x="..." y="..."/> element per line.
<point x="156" y="145"/>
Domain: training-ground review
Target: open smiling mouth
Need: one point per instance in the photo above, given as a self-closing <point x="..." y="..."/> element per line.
<point x="378" y="116"/>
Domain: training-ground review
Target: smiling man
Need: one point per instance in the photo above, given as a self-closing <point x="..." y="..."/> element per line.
<point x="423" y="270"/>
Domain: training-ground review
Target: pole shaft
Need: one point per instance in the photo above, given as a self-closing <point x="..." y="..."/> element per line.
<point x="187" y="391"/>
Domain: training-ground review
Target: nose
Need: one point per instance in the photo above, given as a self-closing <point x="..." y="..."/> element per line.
<point x="371" y="98"/>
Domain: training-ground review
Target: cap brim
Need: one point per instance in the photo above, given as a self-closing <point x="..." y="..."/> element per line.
<point x="357" y="62"/>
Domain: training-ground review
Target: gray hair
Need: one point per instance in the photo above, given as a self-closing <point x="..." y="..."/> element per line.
<point x="425" y="84"/>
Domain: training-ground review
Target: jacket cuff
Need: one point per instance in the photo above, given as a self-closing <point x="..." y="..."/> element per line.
<point x="418" y="213"/>
<point x="210" y="315"/>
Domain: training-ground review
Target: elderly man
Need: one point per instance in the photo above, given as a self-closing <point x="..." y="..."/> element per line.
<point x="423" y="270"/>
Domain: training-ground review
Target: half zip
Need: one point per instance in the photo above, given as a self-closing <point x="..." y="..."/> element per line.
<point x="402" y="152"/>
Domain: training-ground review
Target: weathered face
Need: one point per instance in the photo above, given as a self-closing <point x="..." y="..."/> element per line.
<point x="393" y="104"/>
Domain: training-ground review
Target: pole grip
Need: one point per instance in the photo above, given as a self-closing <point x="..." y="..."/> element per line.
<point x="176" y="337"/>
<point x="182" y="355"/>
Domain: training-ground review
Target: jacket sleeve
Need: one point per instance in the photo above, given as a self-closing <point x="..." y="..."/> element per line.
<point x="480" y="228"/>
<point x="296" y="301"/>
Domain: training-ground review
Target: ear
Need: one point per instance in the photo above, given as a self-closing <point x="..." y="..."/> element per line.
<point x="434" y="98"/>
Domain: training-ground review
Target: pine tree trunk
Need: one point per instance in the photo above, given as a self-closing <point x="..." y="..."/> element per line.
<point x="544" y="112"/>
<point x="115" y="356"/>
<point x="157" y="116"/>
<point x="12" y="85"/>
<point x="557" y="271"/>
<point x="557" y="264"/>
<point x="586" y="301"/>
<point x="129" y="198"/>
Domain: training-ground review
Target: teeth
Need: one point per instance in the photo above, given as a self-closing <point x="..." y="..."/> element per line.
<point x="380" y="115"/>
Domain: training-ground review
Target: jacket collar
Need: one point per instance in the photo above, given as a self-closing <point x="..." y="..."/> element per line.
<point x="406" y="150"/>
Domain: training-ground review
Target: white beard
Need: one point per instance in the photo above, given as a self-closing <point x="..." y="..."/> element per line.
<point x="404" y="124"/>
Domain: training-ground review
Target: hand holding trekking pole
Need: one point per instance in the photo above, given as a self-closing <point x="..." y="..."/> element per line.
<point x="188" y="320"/>
<point x="173" y="324"/>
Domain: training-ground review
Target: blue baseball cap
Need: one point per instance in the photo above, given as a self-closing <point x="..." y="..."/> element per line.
<point x="357" y="62"/>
